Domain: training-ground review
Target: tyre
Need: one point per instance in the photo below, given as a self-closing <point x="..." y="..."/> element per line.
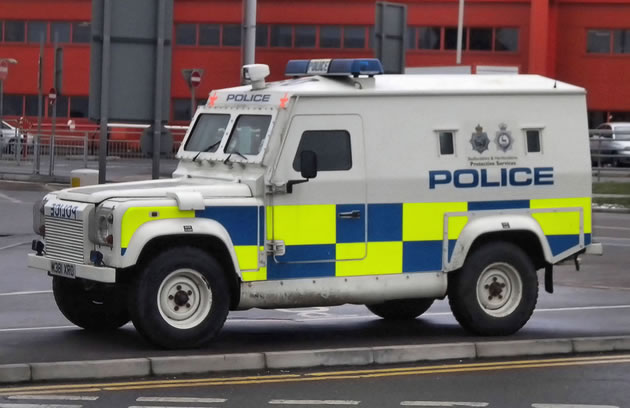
<point x="180" y="299"/>
<point x="91" y="305"/>
<point x="496" y="291"/>
<point x="403" y="309"/>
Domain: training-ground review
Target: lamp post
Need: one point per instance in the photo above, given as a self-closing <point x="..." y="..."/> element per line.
<point x="4" y="71"/>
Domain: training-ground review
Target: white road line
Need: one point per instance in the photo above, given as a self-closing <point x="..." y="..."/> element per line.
<point x="442" y="404"/>
<point x="164" y="406"/>
<point x="572" y="406"/>
<point x="32" y="292"/>
<point x="10" y="199"/>
<point x="181" y="400"/>
<point x="22" y="329"/>
<point x="4" y="405"/>
<point x="54" y="397"/>
<point x="15" y="245"/>
<point x="313" y="402"/>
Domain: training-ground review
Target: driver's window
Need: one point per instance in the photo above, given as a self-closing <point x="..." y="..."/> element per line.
<point x="332" y="148"/>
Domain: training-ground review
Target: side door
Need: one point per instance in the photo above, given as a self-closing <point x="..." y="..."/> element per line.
<point x="322" y="222"/>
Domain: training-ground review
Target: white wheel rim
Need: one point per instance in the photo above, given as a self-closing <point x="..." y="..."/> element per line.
<point x="499" y="289"/>
<point x="184" y="299"/>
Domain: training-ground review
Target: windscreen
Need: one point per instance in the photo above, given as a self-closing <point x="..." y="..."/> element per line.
<point x="207" y="133"/>
<point x="248" y="134"/>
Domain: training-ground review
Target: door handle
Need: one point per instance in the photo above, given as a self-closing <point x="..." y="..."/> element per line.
<point x="350" y="214"/>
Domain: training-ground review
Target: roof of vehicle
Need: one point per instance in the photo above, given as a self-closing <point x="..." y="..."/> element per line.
<point x="616" y="124"/>
<point x="418" y="84"/>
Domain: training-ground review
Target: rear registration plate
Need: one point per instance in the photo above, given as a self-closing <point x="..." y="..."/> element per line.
<point x="63" y="269"/>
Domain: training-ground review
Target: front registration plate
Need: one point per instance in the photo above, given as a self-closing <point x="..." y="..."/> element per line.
<point x="63" y="269"/>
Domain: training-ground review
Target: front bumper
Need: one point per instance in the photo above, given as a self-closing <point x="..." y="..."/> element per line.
<point x="90" y="272"/>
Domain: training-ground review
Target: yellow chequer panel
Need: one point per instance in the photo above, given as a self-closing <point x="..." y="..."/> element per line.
<point x="562" y="222"/>
<point x="305" y="224"/>
<point x="259" y="275"/>
<point x="425" y="221"/>
<point x="247" y="256"/>
<point x="382" y="258"/>
<point x="136" y="216"/>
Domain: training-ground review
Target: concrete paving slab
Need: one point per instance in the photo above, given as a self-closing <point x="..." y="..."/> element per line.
<point x="599" y="344"/>
<point x="14" y="373"/>
<point x="72" y="370"/>
<point x="424" y="352"/>
<point x="207" y="364"/>
<point x="318" y="358"/>
<point x="524" y="347"/>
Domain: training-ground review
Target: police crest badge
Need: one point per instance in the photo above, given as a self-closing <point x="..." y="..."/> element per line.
<point x="504" y="138"/>
<point x="479" y="140"/>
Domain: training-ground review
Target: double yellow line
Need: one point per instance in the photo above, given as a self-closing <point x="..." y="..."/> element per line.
<point x="317" y="376"/>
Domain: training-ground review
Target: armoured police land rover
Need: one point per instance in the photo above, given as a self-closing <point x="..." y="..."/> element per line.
<point x="337" y="185"/>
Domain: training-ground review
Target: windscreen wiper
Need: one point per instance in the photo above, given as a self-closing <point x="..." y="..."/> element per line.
<point x="227" y="159"/>
<point x="207" y="149"/>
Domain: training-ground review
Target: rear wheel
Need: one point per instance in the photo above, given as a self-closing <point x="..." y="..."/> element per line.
<point x="91" y="305"/>
<point x="403" y="309"/>
<point x="496" y="291"/>
<point x="180" y="299"/>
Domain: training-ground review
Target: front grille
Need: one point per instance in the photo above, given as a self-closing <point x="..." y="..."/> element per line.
<point x="64" y="239"/>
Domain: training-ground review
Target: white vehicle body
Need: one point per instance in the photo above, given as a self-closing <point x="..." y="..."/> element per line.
<point x="390" y="221"/>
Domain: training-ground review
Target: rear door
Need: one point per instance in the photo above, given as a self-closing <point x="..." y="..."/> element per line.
<point x="323" y="222"/>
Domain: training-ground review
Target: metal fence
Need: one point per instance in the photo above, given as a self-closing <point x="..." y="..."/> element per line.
<point x="82" y="144"/>
<point x="610" y="151"/>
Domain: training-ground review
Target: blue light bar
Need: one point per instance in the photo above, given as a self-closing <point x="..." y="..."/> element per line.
<point x="334" y="67"/>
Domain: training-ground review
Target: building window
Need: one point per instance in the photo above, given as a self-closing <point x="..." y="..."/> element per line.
<point x="533" y="140"/>
<point x="281" y="36"/>
<point x="621" y="41"/>
<point x="480" y="39"/>
<point x="1" y="31"/>
<point x="61" y="30"/>
<point x="305" y="36"/>
<point x="332" y="148"/>
<point x="506" y="39"/>
<point x="62" y="107"/>
<point x="209" y="34"/>
<point x="353" y="37"/>
<point x="181" y="109"/>
<point x="14" y="31"/>
<point x="450" y="38"/>
<point x="12" y="105"/>
<point x="411" y="38"/>
<point x="81" y="32"/>
<point x="231" y="35"/>
<point x="36" y="30"/>
<point x="30" y="106"/>
<point x="598" y="41"/>
<point x="330" y="37"/>
<point x="186" y="34"/>
<point x="79" y="107"/>
<point x="447" y="143"/>
<point x="262" y="35"/>
<point x="429" y="38"/>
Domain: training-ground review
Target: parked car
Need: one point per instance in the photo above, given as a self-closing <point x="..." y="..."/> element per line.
<point x="8" y="140"/>
<point x="615" y="141"/>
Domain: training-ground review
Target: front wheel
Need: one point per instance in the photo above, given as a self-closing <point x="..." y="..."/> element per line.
<point x="402" y="309"/>
<point x="91" y="305"/>
<point x="180" y="299"/>
<point x="496" y="291"/>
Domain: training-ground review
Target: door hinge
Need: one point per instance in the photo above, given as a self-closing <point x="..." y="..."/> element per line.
<point x="276" y="248"/>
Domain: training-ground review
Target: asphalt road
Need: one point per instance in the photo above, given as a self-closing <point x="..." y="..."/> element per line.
<point x="584" y="382"/>
<point x="592" y="302"/>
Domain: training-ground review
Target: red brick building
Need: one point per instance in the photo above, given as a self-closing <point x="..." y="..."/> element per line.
<point x="584" y="42"/>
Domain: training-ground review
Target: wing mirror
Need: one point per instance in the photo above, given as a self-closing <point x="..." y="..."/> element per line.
<point x="308" y="169"/>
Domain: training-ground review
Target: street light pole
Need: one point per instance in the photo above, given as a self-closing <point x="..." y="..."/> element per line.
<point x="460" y="32"/>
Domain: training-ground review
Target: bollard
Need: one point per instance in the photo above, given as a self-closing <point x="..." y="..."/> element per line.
<point x="83" y="177"/>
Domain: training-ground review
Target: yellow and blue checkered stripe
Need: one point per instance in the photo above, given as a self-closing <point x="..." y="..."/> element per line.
<point x="401" y="237"/>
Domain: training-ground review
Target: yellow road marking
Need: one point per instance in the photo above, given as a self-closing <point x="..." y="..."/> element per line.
<point x="319" y="376"/>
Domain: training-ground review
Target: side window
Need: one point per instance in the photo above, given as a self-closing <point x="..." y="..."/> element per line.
<point x="332" y="148"/>
<point x="533" y="140"/>
<point x="447" y="142"/>
<point x="607" y="135"/>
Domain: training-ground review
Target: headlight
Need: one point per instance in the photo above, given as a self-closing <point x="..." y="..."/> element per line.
<point x="39" y="224"/>
<point x="105" y="226"/>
